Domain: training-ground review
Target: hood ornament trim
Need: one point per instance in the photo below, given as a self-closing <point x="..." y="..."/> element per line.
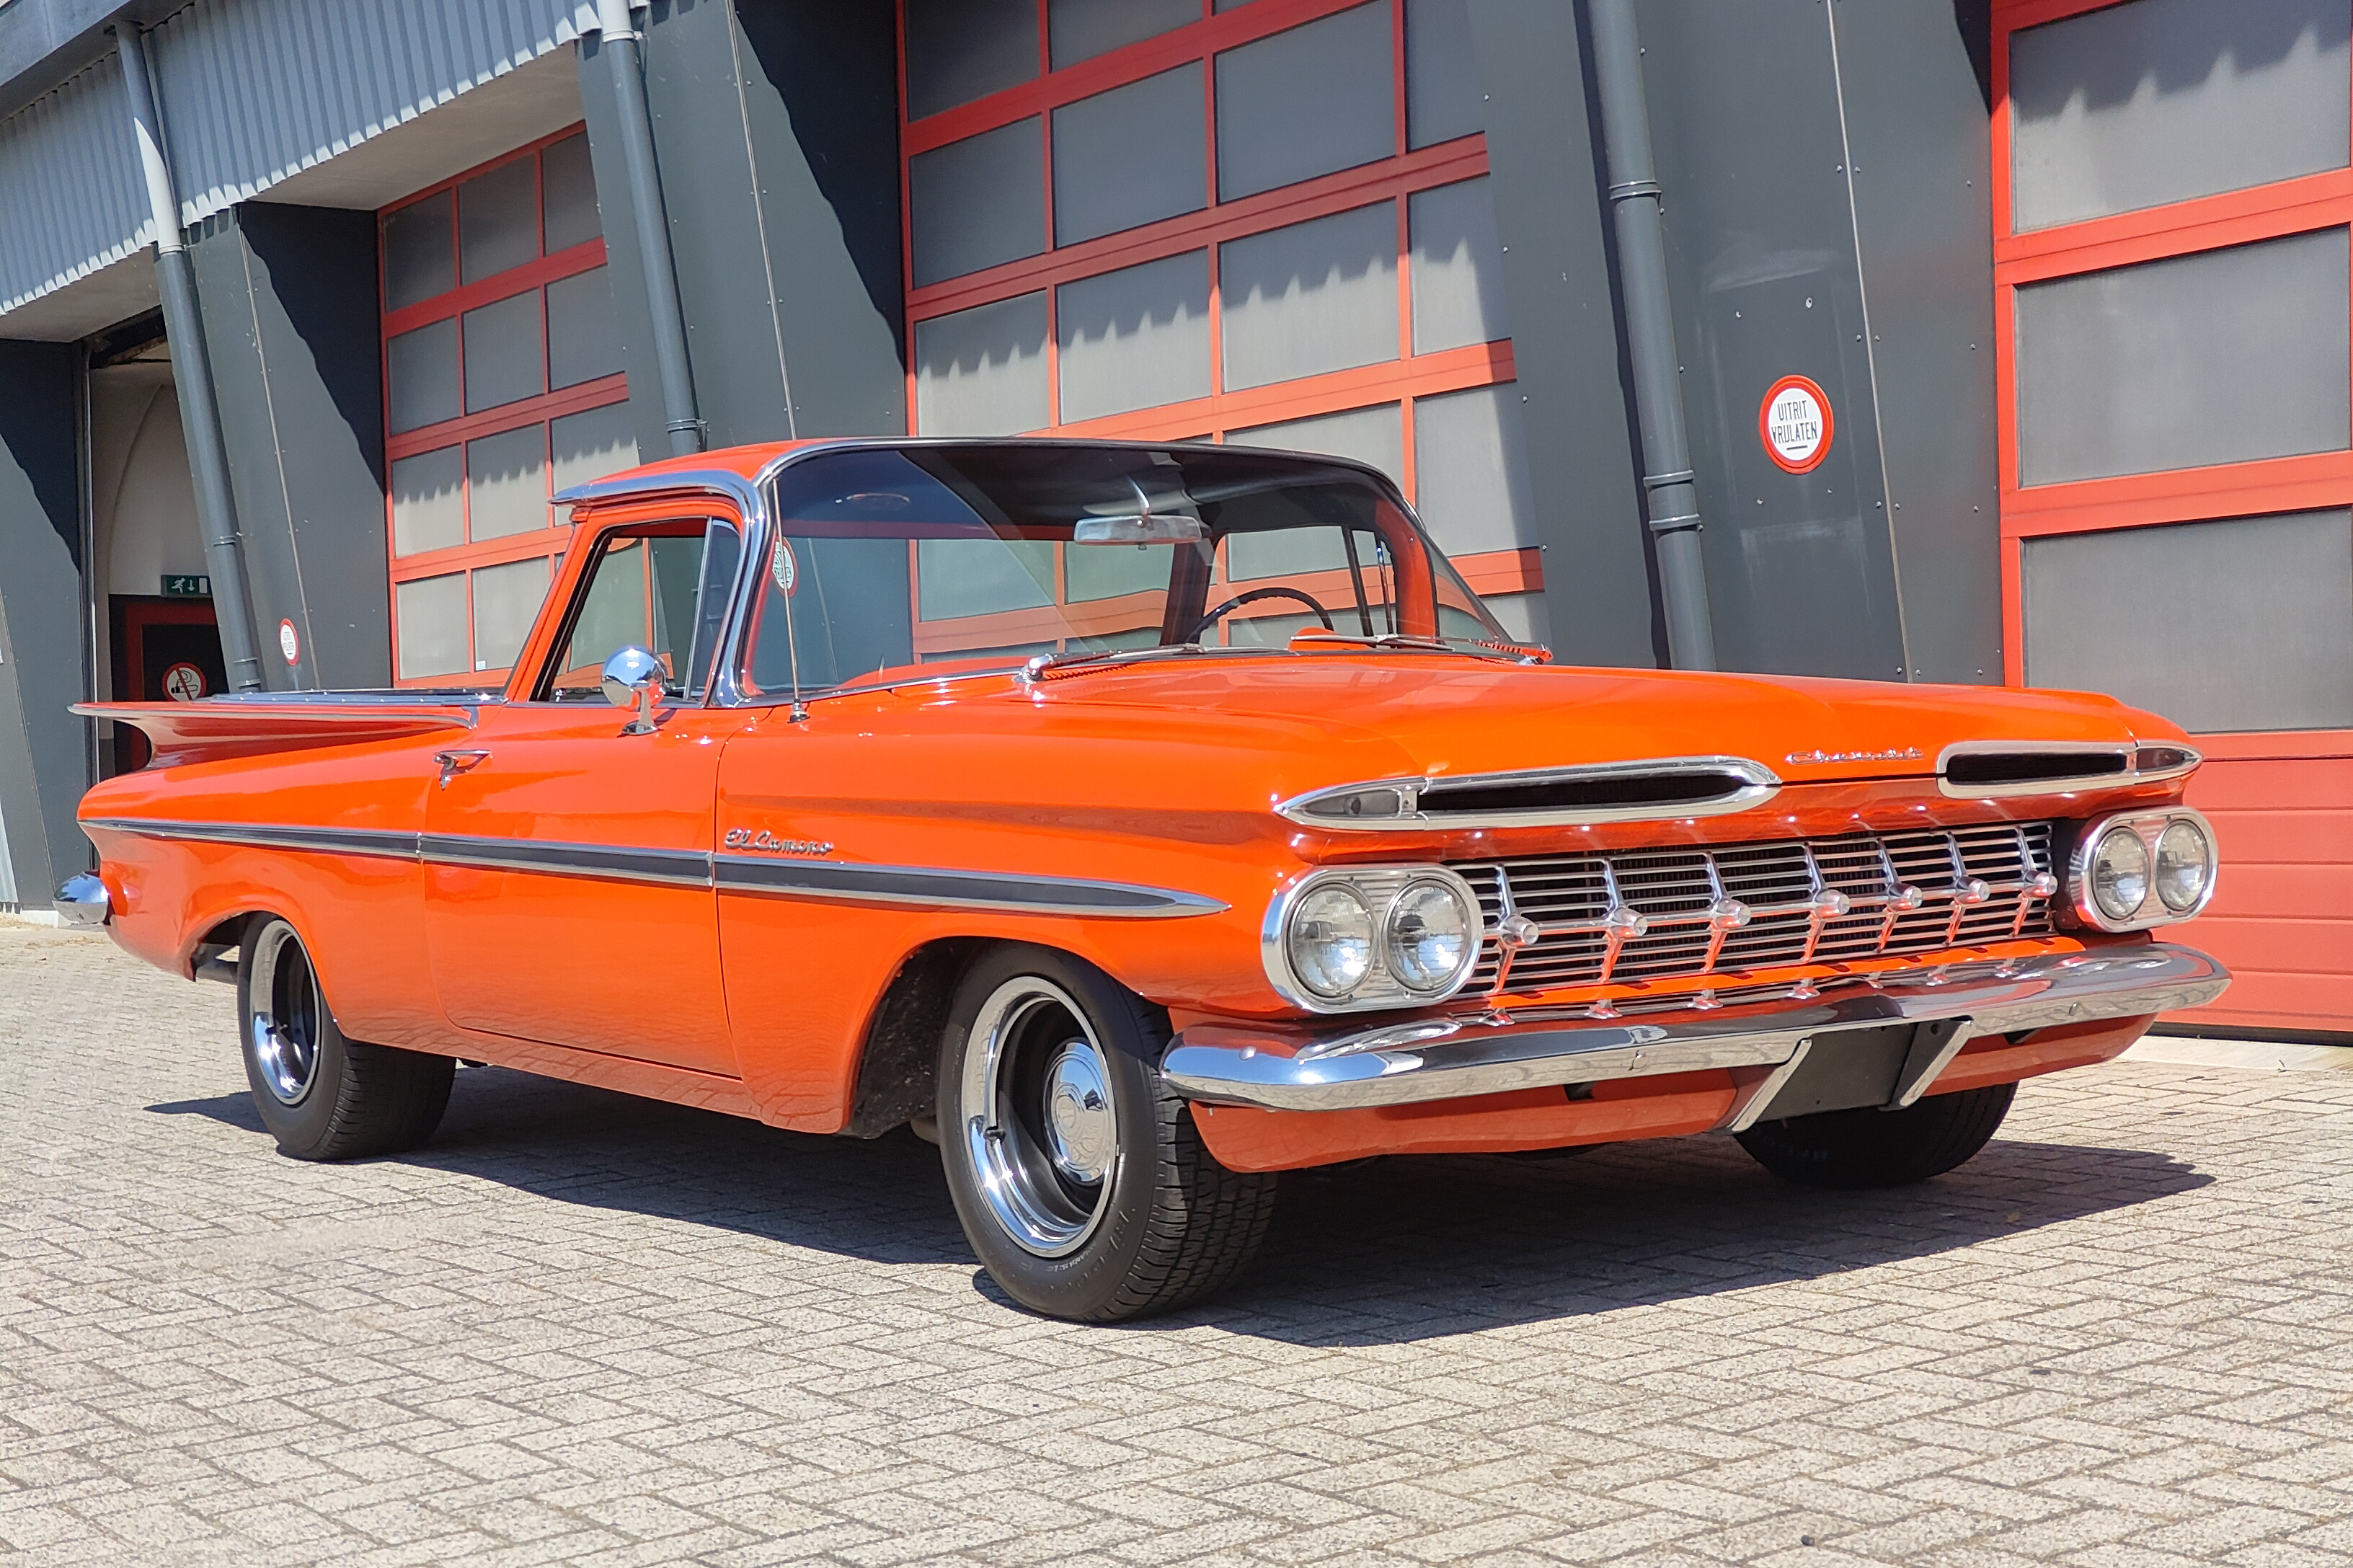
<point x="1820" y="758"/>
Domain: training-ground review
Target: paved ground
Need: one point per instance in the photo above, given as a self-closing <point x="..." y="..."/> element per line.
<point x="580" y="1328"/>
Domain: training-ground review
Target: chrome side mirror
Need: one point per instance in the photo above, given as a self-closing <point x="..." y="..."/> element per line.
<point x="633" y="679"/>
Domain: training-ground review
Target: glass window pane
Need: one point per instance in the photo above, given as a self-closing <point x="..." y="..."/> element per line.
<point x="1471" y="470"/>
<point x="982" y="372"/>
<point x="1081" y="30"/>
<point x="583" y="335"/>
<point x="2219" y="357"/>
<point x="1375" y="436"/>
<point x="983" y="576"/>
<point x="504" y="357"/>
<point x="421" y="375"/>
<point x="1525" y="616"/>
<point x="1108" y="570"/>
<point x="498" y="219"/>
<point x="1130" y="156"/>
<point x="419" y="261"/>
<point x="506" y="483"/>
<point x="958" y="50"/>
<point x="1441" y="78"/>
<point x="1311" y="298"/>
<point x="1135" y="338"/>
<point x="1306" y="103"/>
<point x="432" y="616"/>
<point x="2245" y="625"/>
<point x="1458" y="267"/>
<point x="591" y="444"/>
<point x="429" y="511"/>
<point x="2160" y="100"/>
<point x="978" y="201"/>
<point x="569" y="187"/>
<point x="506" y="601"/>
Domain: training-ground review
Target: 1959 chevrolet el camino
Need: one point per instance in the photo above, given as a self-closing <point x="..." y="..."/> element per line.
<point x="1238" y="838"/>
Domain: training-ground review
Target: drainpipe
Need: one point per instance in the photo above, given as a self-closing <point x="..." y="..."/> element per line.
<point x="192" y="375"/>
<point x="1670" y="498"/>
<point x="686" y="433"/>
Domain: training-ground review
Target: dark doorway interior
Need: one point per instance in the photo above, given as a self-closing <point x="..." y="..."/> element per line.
<point x="165" y="650"/>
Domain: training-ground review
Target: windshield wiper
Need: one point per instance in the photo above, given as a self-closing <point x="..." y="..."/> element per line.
<point x="1407" y="642"/>
<point x="1050" y="666"/>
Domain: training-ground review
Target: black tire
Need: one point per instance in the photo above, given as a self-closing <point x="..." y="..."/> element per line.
<point x="1163" y="1223"/>
<point x="1875" y="1148"/>
<point x="322" y="1095"/>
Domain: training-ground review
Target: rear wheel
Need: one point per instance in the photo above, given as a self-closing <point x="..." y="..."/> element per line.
<point x="1875" y="1148"/>
<point x="1081" y="1180"/>
<point x="324" y="1095"/>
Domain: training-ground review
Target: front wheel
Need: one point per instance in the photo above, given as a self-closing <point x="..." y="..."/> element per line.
<point x="1875" y="1148"/>
<point x="1079" y="1178"/>
<point x="322" y="1095"/>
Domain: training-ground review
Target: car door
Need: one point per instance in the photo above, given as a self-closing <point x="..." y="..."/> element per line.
<point x="568" y="896"/>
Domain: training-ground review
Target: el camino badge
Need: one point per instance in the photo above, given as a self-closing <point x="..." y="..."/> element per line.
<point x="1817" y="758"/>
<point x="767" y="843"/>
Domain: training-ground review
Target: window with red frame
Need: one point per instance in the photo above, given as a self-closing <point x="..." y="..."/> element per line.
<point x="1266" y="222"/>
<point x="502" y="384"/>
<point x="2174" y="307"/>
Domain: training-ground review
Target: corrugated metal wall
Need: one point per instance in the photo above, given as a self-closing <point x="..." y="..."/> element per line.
<point x="253" y="92"/>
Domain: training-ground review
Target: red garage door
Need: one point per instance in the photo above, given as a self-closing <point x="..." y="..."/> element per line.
<point x="2173" y="186"/>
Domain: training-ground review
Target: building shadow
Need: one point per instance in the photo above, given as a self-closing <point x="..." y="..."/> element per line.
<point x="1386" y="1251"/>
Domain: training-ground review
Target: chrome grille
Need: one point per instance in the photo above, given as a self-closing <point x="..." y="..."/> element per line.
<point x="1661" y="914"/>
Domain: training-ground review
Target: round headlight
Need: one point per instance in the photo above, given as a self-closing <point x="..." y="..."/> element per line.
<point x="1330" y="941"/>
<point x="2120" y="873"/>
<point x="2184" y="861"/>
<point x="1430" y="937"/>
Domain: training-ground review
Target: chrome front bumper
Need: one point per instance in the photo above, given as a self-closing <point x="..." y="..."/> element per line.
<point x="1496" y="1052"/>
<point x="82" y="902"/>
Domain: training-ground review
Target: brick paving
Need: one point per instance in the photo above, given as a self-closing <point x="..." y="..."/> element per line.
<point x="583" y="1329"/>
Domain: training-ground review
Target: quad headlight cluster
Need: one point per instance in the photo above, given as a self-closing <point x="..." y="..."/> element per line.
<point x="2139" y="870"/>
<point x="1359" y="938"/>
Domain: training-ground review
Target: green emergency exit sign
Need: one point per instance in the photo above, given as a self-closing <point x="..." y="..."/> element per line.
<point x="187" y="587"/>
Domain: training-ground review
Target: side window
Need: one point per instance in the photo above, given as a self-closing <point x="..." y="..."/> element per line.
<point x="660" y="586"/>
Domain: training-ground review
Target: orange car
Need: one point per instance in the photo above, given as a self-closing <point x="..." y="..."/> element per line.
<point x="1138" y="822"/>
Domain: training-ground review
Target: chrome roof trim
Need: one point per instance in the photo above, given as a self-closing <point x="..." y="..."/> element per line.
<point x="2129" y="746"/>
<point x="1760" y="783"/>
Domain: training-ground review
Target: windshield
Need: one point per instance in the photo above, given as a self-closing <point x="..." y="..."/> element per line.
<point x="886" y="558"/>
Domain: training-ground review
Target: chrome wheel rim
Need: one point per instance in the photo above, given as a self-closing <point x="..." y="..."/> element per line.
<point x="283" y="1015"/>
<point x="1040" y="1124"/>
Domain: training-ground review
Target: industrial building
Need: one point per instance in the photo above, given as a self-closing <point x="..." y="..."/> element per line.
<point x="1905" y="339"/>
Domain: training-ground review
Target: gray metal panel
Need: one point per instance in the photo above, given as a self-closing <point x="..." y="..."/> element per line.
<point x="1917" y="120"/>
<point x="1761" y="257"/>
<point x="776" y="129"/>
<point x="289" y="298"/>
<point x="2243" y="624"/>
<point x="1573" y="400"/>
<point x="43" y="763"/>
<point x="253" y="92"/>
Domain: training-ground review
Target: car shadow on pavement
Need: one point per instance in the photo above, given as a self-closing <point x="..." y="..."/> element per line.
<point x="1378" y="1252"/>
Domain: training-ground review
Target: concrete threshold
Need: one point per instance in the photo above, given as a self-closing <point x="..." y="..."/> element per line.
<point x="2256" y="1056"/>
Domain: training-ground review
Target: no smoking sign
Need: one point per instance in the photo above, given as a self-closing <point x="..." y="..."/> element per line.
<point x="1795" y="424"/>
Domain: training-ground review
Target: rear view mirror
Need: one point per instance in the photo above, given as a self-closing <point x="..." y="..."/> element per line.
<point x="1137" y="527"/>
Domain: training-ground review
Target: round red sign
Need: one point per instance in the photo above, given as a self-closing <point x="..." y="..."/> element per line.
<point x="1795" y="424"/>
<point x="183" y="683"/>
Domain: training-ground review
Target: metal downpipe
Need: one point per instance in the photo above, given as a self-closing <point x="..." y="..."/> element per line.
<point x="191" y="374"/>
<point x="688" y="434"/>
<point x="1670" y="500"/>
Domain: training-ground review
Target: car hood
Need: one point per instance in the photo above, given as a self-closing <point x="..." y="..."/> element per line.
<point x="1449" y="717"/>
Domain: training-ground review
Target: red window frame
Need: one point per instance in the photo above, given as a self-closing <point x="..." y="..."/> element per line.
<point x="1394" y="179"/>
<point x="539" y="409"/>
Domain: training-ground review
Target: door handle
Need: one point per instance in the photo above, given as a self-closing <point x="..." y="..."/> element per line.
<point x="456" y="763"/>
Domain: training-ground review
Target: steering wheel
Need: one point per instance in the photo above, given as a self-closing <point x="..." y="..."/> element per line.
<point x="1253" y="596"/>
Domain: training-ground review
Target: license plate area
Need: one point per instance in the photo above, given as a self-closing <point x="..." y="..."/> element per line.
<point x="1885" y="1065"/>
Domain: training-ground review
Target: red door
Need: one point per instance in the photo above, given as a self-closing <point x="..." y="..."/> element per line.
<point x="165" y="650"/>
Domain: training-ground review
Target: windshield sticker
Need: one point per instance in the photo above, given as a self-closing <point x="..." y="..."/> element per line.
<point x="782" y="567"/>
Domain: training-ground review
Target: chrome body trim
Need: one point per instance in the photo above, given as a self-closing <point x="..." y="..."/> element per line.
<point x="832" y="881"/>
<point x="2150" y="826"/>
<point x="1496" y="1052"/>
<point x="857" y="882"/>
<point x="82" y="902"/>
<point x="1421" y="800"/>
<point x="2133" y="773"/>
